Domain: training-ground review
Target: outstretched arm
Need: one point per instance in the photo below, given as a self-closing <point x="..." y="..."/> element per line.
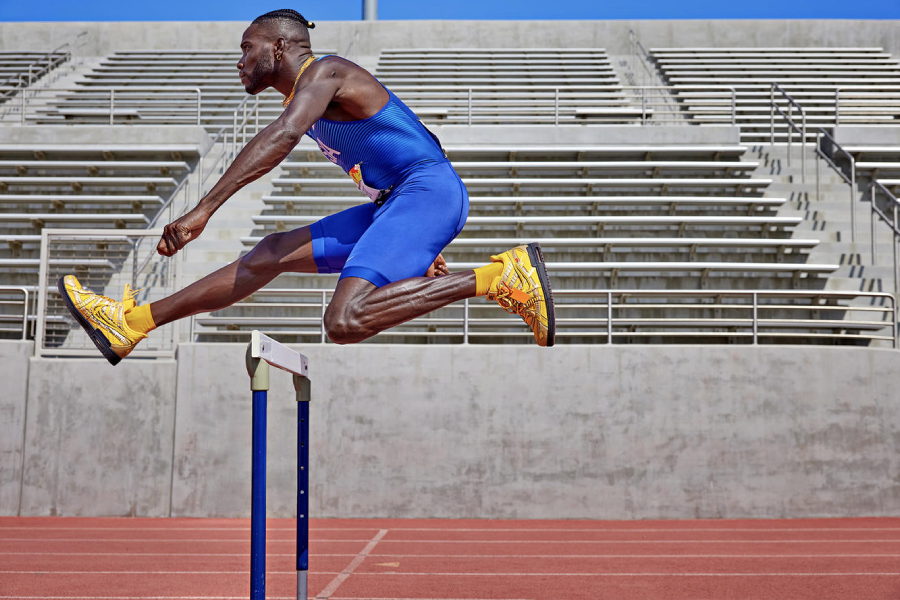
<point x="262" y="154"/>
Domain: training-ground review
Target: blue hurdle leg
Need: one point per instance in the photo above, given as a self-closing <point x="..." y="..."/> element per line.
<point x="258" y="499"/>
<point x="302" y="386"/>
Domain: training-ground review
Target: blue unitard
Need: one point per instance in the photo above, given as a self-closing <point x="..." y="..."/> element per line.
<point x="419" y="203"/>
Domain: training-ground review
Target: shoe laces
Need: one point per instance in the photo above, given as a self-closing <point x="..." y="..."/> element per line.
<point x="129" y="296"/>
<point x="528" y="310"/>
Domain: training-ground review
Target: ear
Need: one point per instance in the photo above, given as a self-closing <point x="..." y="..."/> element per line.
<point x="279" y="48"/>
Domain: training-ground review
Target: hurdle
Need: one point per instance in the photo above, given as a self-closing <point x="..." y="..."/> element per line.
<point x="263" y="351"/>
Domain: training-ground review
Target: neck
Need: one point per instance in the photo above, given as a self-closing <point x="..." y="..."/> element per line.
<point x="287" y="71"/>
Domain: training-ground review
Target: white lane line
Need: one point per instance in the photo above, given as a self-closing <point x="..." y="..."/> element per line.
<point x="241" y="573"/>
<point x="533" y="574"/>
<point x="470" y="529"/>
<point x="140" y="554"/>
<point x="535" y="542"/>
<point x="538" y="541"/>
<point x="332" y="587"/>
<point x="340" y="577"/>
<point x="392" y="555"/>
<point x="547" y="556"/>
<point x="166" y="541"/>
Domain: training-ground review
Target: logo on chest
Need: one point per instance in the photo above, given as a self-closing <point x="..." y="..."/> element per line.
<point x="329" y="153"/>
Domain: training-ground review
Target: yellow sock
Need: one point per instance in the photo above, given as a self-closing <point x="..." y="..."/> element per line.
<point x="139" y="319"/>
<point x="484" y="277"/>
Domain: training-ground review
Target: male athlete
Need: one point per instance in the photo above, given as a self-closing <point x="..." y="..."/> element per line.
<point x="382" y="249"/>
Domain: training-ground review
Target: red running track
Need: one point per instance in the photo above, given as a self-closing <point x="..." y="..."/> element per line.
<point x="182" y="559"/>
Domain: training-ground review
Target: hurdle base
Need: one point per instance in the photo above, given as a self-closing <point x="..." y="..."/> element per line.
<point x="301" y="585"/>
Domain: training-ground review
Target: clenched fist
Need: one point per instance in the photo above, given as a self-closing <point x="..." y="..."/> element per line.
<point x="179" y="232"/>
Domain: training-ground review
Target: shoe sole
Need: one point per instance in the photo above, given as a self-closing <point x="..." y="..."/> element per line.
<point x="95" y="334"/>
<point x="537" y="261"/>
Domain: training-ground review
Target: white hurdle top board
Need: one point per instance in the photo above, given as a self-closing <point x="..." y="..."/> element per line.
<point x="278" y="355"/>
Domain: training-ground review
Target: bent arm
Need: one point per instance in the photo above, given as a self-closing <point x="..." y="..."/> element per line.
<point x="273" y="144"/>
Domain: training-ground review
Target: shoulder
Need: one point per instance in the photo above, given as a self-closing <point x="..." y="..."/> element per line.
<point x="333" y="66"/>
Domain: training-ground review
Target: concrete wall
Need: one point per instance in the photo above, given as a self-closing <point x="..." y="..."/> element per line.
<point x="357" y="38"/>
<point x="98" y="439"/>
<point x="620" y="432"/>
<point x="14" y="375"/>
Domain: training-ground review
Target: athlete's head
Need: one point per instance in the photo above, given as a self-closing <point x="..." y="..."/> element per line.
<point x="265" y="43"/>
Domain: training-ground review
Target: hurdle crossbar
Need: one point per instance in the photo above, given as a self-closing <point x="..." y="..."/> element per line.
<point x="262" y="352"/>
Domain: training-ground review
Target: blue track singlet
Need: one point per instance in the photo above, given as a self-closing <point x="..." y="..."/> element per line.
<point x="419" y="202"/>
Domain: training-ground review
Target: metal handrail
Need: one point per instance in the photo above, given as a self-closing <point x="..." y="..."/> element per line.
<point x="242" y="125"/>
<point x="789" y="118"/>
<point x="642" y="94"/>
<point x="850" y="180"/>
<point x="15" y="288"/>
<point x="111" y="91"/>
<point x="862" y="92"/>
<point x="638" y="50"/>
<point x="892" y="223"/>
<point x="608" y="322"/>
<point x="53" y="63"/>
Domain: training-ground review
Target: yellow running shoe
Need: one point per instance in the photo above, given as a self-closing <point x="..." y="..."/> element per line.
<point x="524" y="289"/>
<point x="102" y="318"/>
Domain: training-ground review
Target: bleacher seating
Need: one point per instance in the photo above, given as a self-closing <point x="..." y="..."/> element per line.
<point x="78" y="186"/>
<point x="629" y="217"/>
<point x="625" y="217"/>
<point x="509" y="85"/>
<point x="213" y="72"/>
<point x="869" y="80"/>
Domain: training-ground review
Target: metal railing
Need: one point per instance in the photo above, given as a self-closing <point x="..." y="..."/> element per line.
<point x="6" y="291"/>
<point x="645" y="105"/>
<point x="240" y="124"/>
<point x="597" y="314"/>
<point x="851" y="180"/>
<point x="106" y="259"/>
<point x="639" y="54"/>
<point x="70" y="105"/>
<point x="856" y="100"/>
<point x="36" y="70"/>
<point x="792" y="126"/>
<point x="892" y="223"/>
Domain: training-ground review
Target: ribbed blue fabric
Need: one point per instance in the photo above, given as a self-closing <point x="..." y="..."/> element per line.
<point x="387" y="145"/>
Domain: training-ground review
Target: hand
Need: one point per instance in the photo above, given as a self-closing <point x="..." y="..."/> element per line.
<point x="438" y="268"/>
<point x="179" y="232"/>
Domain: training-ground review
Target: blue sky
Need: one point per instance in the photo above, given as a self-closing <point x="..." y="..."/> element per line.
<point x="344" y="10"/>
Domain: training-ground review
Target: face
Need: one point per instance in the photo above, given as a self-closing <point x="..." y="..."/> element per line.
<point x="257" y="61"/>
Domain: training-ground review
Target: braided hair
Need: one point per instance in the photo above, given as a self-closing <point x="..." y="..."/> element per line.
<point x="287" y="15"/>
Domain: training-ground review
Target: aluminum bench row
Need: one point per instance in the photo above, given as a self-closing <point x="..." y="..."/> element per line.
<point x="40" y="219"/>
<point x="34" y="263"/>
<point x="61" y="200"/>
<point x="78" y="181"/>
<point x="671" y="203"/>
<point x="786" y="68"/>
<point x="107" y="151"/>
<point x="780" y="245"/>
<point x="573" y="184"/>
<point x="583" y="167"/>
<point x="765" y="223"/>
<point x="23" y="166"/>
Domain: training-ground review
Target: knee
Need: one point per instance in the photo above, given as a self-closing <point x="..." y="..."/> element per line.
<point x="264" y="258"/>
<point x="342" y="326"/>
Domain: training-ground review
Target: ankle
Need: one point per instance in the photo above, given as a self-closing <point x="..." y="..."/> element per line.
<point x="485" y="276"/>
<point x="140" y="319"/>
